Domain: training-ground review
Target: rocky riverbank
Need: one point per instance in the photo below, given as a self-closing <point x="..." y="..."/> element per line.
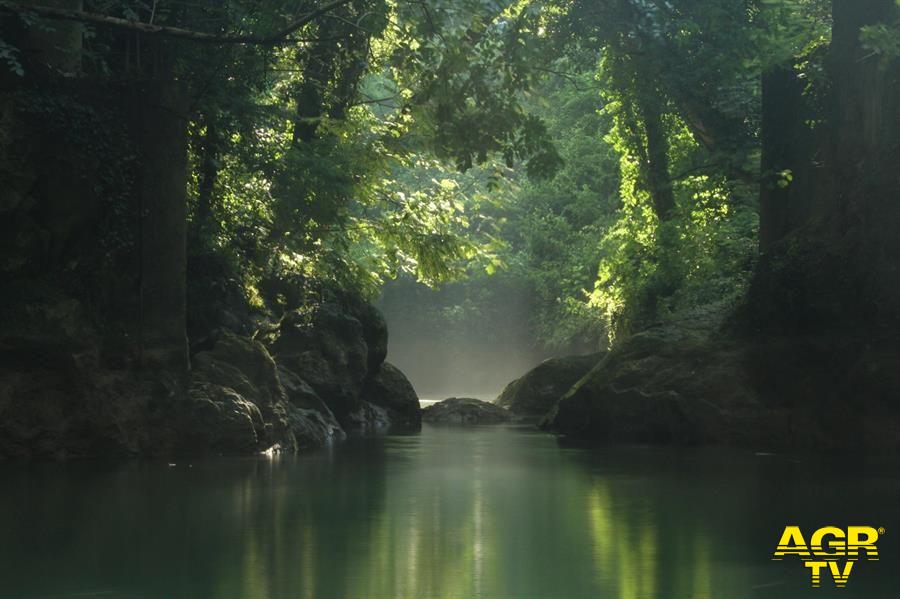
<point x="671" y="385"/>
<point x="304" y="382"/>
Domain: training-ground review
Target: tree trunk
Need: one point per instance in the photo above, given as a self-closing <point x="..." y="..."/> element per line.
<point x="659" y="183"/>
<point x="831" y="240"/>
<point x="209" y="174"/>
<point x="310" y="98"/>
<point x="787" y="167"/>
<point x="864" y="104"/>
<point x="865" y="116"/>
<point x="160" y="129"/>
<point x="863" y="86"/>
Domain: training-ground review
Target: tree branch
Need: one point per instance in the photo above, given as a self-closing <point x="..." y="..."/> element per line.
<point x="49" y="12"/>
<point x="691" y="171"/>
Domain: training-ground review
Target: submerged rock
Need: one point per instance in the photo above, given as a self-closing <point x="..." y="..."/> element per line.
<point x="465" y="410"/>
<point x="536" y="392"/>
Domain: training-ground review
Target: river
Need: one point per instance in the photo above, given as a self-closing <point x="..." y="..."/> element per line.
<point x="490" y="512"/>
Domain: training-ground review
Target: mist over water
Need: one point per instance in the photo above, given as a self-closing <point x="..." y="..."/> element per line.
<point x="449" y="345"/>
<point x="439" y="369"/>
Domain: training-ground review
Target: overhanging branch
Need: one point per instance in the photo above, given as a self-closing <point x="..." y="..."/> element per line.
<point x="50" y="12"/>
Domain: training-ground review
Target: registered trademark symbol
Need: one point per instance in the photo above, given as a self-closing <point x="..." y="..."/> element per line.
<point x="881" y="530"/>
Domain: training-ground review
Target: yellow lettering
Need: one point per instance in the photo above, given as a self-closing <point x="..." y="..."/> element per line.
<point x="791" y="543"/>
<point x="816" y="568"/>
<point x="816" y="542"/>
<point x="840" y="577"/>
<point x="862" y="537"/>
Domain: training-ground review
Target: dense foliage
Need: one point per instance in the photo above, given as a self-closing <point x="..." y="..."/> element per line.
<point x="656" y="111"/>
<point x="601" y="158"/>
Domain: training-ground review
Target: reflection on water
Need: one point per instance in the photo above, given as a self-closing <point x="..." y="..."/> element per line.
<point x="487" y="512"/>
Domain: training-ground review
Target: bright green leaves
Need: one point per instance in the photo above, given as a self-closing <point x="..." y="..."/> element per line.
<point x="652" y="270"/>
<point x="468" y="64"/>
<point x="430" y="225"/>
<point x="336" y="162"/>
<point x="784" y="178"/>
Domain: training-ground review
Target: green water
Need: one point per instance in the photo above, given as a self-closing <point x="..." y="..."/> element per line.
<point x="488" y="512"/>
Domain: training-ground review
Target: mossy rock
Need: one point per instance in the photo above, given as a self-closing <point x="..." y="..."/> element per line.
<point x="538" y="390"/>
<point x="466" y="411"/>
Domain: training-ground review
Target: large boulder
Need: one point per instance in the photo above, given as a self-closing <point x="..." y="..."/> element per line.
<point x="465" y="411"/>
<point x="313" y="429"/>
<point x="368" y="419"/>
<point x="538" y="390"/>
<point x="219" y="419"/>
<point x="242" y="367"/>
<point x="374" y="329"/>
<point x="313" y="423"/>
<point x="338" y="348"/>
<point x="237" y="403"/>
<point x="62" y="406"/>
<point x="389" y="388"/>
<point x="327" y="348"/>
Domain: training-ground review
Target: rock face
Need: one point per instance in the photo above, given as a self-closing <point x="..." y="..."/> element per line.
<point x="64" y="393"/>
<point x="667" y="385"/>
<point x="465" y="410"/>
<point x="238" y="402"/>
<point x="327" y="349"/>
<point x="664" y="387"/>
<point x="339" y="350"/>
<point x="57" y="398"/>
<point x="312" y="422"/>
<point x="536" y="392"/>
<point x="390" y="389"/>
<point x="374" y="330"/>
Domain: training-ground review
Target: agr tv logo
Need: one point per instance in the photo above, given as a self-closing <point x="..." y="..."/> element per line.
<point x="830" y="549"/>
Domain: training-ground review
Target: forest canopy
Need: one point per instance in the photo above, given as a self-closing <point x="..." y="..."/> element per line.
<point x="606" y="159"/>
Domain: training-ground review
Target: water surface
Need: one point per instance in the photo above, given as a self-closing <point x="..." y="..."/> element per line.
<point x="451" y="513"/>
